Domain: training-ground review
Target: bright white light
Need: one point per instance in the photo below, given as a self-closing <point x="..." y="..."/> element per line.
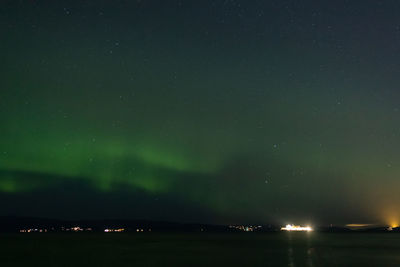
<point x="291" y="227"/>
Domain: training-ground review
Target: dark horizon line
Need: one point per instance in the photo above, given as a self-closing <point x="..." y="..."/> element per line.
<point x="137" y="220"/>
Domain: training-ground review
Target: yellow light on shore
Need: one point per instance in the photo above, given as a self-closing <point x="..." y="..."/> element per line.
<point x="359" y="225"/>
<point x="290" y="227"/>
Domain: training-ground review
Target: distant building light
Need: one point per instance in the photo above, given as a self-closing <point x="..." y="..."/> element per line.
<point x="291" y="227"/>
<point x="114" y="230"/>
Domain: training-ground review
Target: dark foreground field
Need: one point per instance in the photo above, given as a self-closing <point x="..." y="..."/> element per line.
<point x="201" y="249"/>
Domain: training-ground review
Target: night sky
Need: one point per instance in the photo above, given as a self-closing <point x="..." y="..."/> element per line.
<point x="208" y="111"/>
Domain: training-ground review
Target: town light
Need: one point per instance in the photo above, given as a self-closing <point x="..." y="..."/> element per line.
<point x="290" y="227"/>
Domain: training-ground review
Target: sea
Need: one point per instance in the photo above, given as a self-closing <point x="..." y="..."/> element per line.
<point x="200" y="249"/>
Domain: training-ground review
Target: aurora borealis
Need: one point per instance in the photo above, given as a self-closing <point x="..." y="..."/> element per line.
<point x="210" y="111"/>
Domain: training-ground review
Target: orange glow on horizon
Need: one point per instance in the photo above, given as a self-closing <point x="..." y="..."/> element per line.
<point x="390" y="215"/>
<point x="393" y="221"/>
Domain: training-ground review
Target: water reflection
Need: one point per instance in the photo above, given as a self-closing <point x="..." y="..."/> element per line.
<point x="290" y="251"/>
<point x="298" y="253"/>
<point x="310" y="251"/>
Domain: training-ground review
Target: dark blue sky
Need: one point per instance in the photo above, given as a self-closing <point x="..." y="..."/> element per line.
<point x="212" y="111"/>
